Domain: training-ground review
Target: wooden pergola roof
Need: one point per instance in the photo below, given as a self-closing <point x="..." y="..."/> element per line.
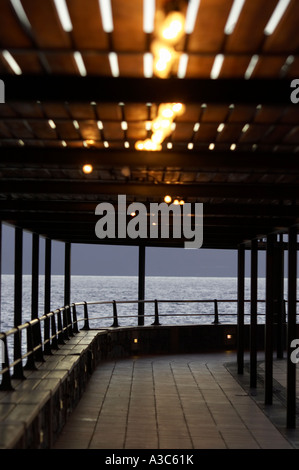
<point x="247" y="180"/>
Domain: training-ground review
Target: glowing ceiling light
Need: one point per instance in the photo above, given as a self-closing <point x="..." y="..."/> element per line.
<point x="21" y="142"/>
<point x="113" y="64"/>
<point x="106" y="144"/>
<point x="126" y="144"/>
<point x="196" y="127"/>
<point x="169" y="145"/>
<point x="211" y="146"/>
<point x="18" y="7"/>
<point x="64" y="15"/>
<point x="100" y="125"/>
<point x="106" y="14"/>
<point x="183" y="63"/>
<point x="217" y="66"/>
<point x="167" y="199"/>
<point x="245" y="128"/>
<point x="124" y="125"/>
<point x="148" y="64"/>
<point x="276" y="16"/>
<point x="173" y="26"/>
<point x="251" y="66"/>
<point x="233" y="16"/>
<point x="233" y="147"/>
<point x="191" y="15"/>
<point x="63" y="143"/>
<point x="190" y="145"/>
<point x="221" y="127"/>
<point x="12" y="62"/>
<point x="76" y="124"/>
<point x="87" y="168"/>
<point x="52" y="124"/>
<point x="80" y="64"/>
<point x="148" y="15"/>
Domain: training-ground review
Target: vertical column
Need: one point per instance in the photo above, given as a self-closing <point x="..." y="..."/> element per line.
<point x="18" y="276"/>
<point x="18" y="287"/>
<point x="67" y="274"/>
<point x="279" y="297"/>
<point x="0" y="272"/>
<point x="35" y="275"/>
<point x="48" y="254"/>
<point x="269" y="319"/>
<point x="292" y="298"/>
<point x="47" y="306"/>
<point x="141" y="284"/>
<point x="253" y="313"/>
<point x="240" y="326"/>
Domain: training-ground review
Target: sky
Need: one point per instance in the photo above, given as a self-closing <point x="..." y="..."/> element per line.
<point x="123" y="260"/>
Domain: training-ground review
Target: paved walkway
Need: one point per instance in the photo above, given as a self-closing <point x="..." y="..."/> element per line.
<point x="169" y="402"/>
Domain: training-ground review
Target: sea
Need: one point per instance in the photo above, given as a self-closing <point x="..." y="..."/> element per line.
<point x="102" y="290"/>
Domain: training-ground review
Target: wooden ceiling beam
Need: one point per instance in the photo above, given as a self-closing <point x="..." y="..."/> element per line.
<point x="105" y="89"/>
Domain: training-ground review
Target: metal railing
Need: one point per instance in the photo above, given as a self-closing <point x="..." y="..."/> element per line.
<point x="47" y="332"/>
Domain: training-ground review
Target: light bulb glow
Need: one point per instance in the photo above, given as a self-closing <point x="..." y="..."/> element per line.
<point x="87" y="168"/>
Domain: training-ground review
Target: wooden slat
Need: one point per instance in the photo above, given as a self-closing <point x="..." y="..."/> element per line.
<point x="285" y="37"/>
<point x="27" y="109"/>
<point x="215" y="113"/>
<point x="130" y="65"/>
<point x="137" y="131"/>
<point x="29" y="63"/>
<point x="242" y="113"/>
<point x="192" y="113"/>
<point x="234" y="66"/>
<point x="293" y="136"/>
<point x="206" y="133"/>
<point x="63" y="63"/>
<point x="248" y="33"/>
<point x="42" y="130"/>
<point x="112" y="130"/>
<point x="4" y="131"/>
<point x="81" y="111"/>
<point x="268" y="67"/>
<point x="82" y="15"/>
<point x="254" y="133"/>
<point x="55" y="110"/>
<point x="268" y="114"/>
<point x="208" y="34"/>
<point x="230" y="133"/>
<point x="199" y="67"/>
<point x="128" y="25"/>
<point x="18" y="129"/>
<point x="45" y="23"/>
<point x="109" y="111"/>
<point x="11" y="32"/>
<point x="97" y="64"/>
<point x="183" y="131"/>
<point x="276" y="135"/>
<point x="66" y="130"/>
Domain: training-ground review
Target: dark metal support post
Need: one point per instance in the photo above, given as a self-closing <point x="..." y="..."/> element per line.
<point x="36" y="332"/>
<point x="253" y="313"/>
<point x="67" y="274"/>
<point x="279" y="298"/>
<point x="47" y="307"/>
<point x="240" y="326"/>
<point x="291" y="335"/>
<point x="271" y="238"/>
<point x="141" y="284"/>
<point x="18" y="287"/>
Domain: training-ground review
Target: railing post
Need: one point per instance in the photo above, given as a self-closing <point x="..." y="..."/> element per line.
<point x="37" y="340"/>
<point x="6" y="379"/>
<point x="75" y="323"/>
<point x="18" y="368"/>
<point x="60" y="330"/>
<point x="86" y="319"/>
<point x="156" y="322"/>
<point x="65" y="325"/>
<point x="53" y="331"/>
<point x="47" y="343"/>
<point x="30" y="364"/>
<point x="216" y="317"/>
<point x="115" y="319"/>
<point x="69" y="321"/>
